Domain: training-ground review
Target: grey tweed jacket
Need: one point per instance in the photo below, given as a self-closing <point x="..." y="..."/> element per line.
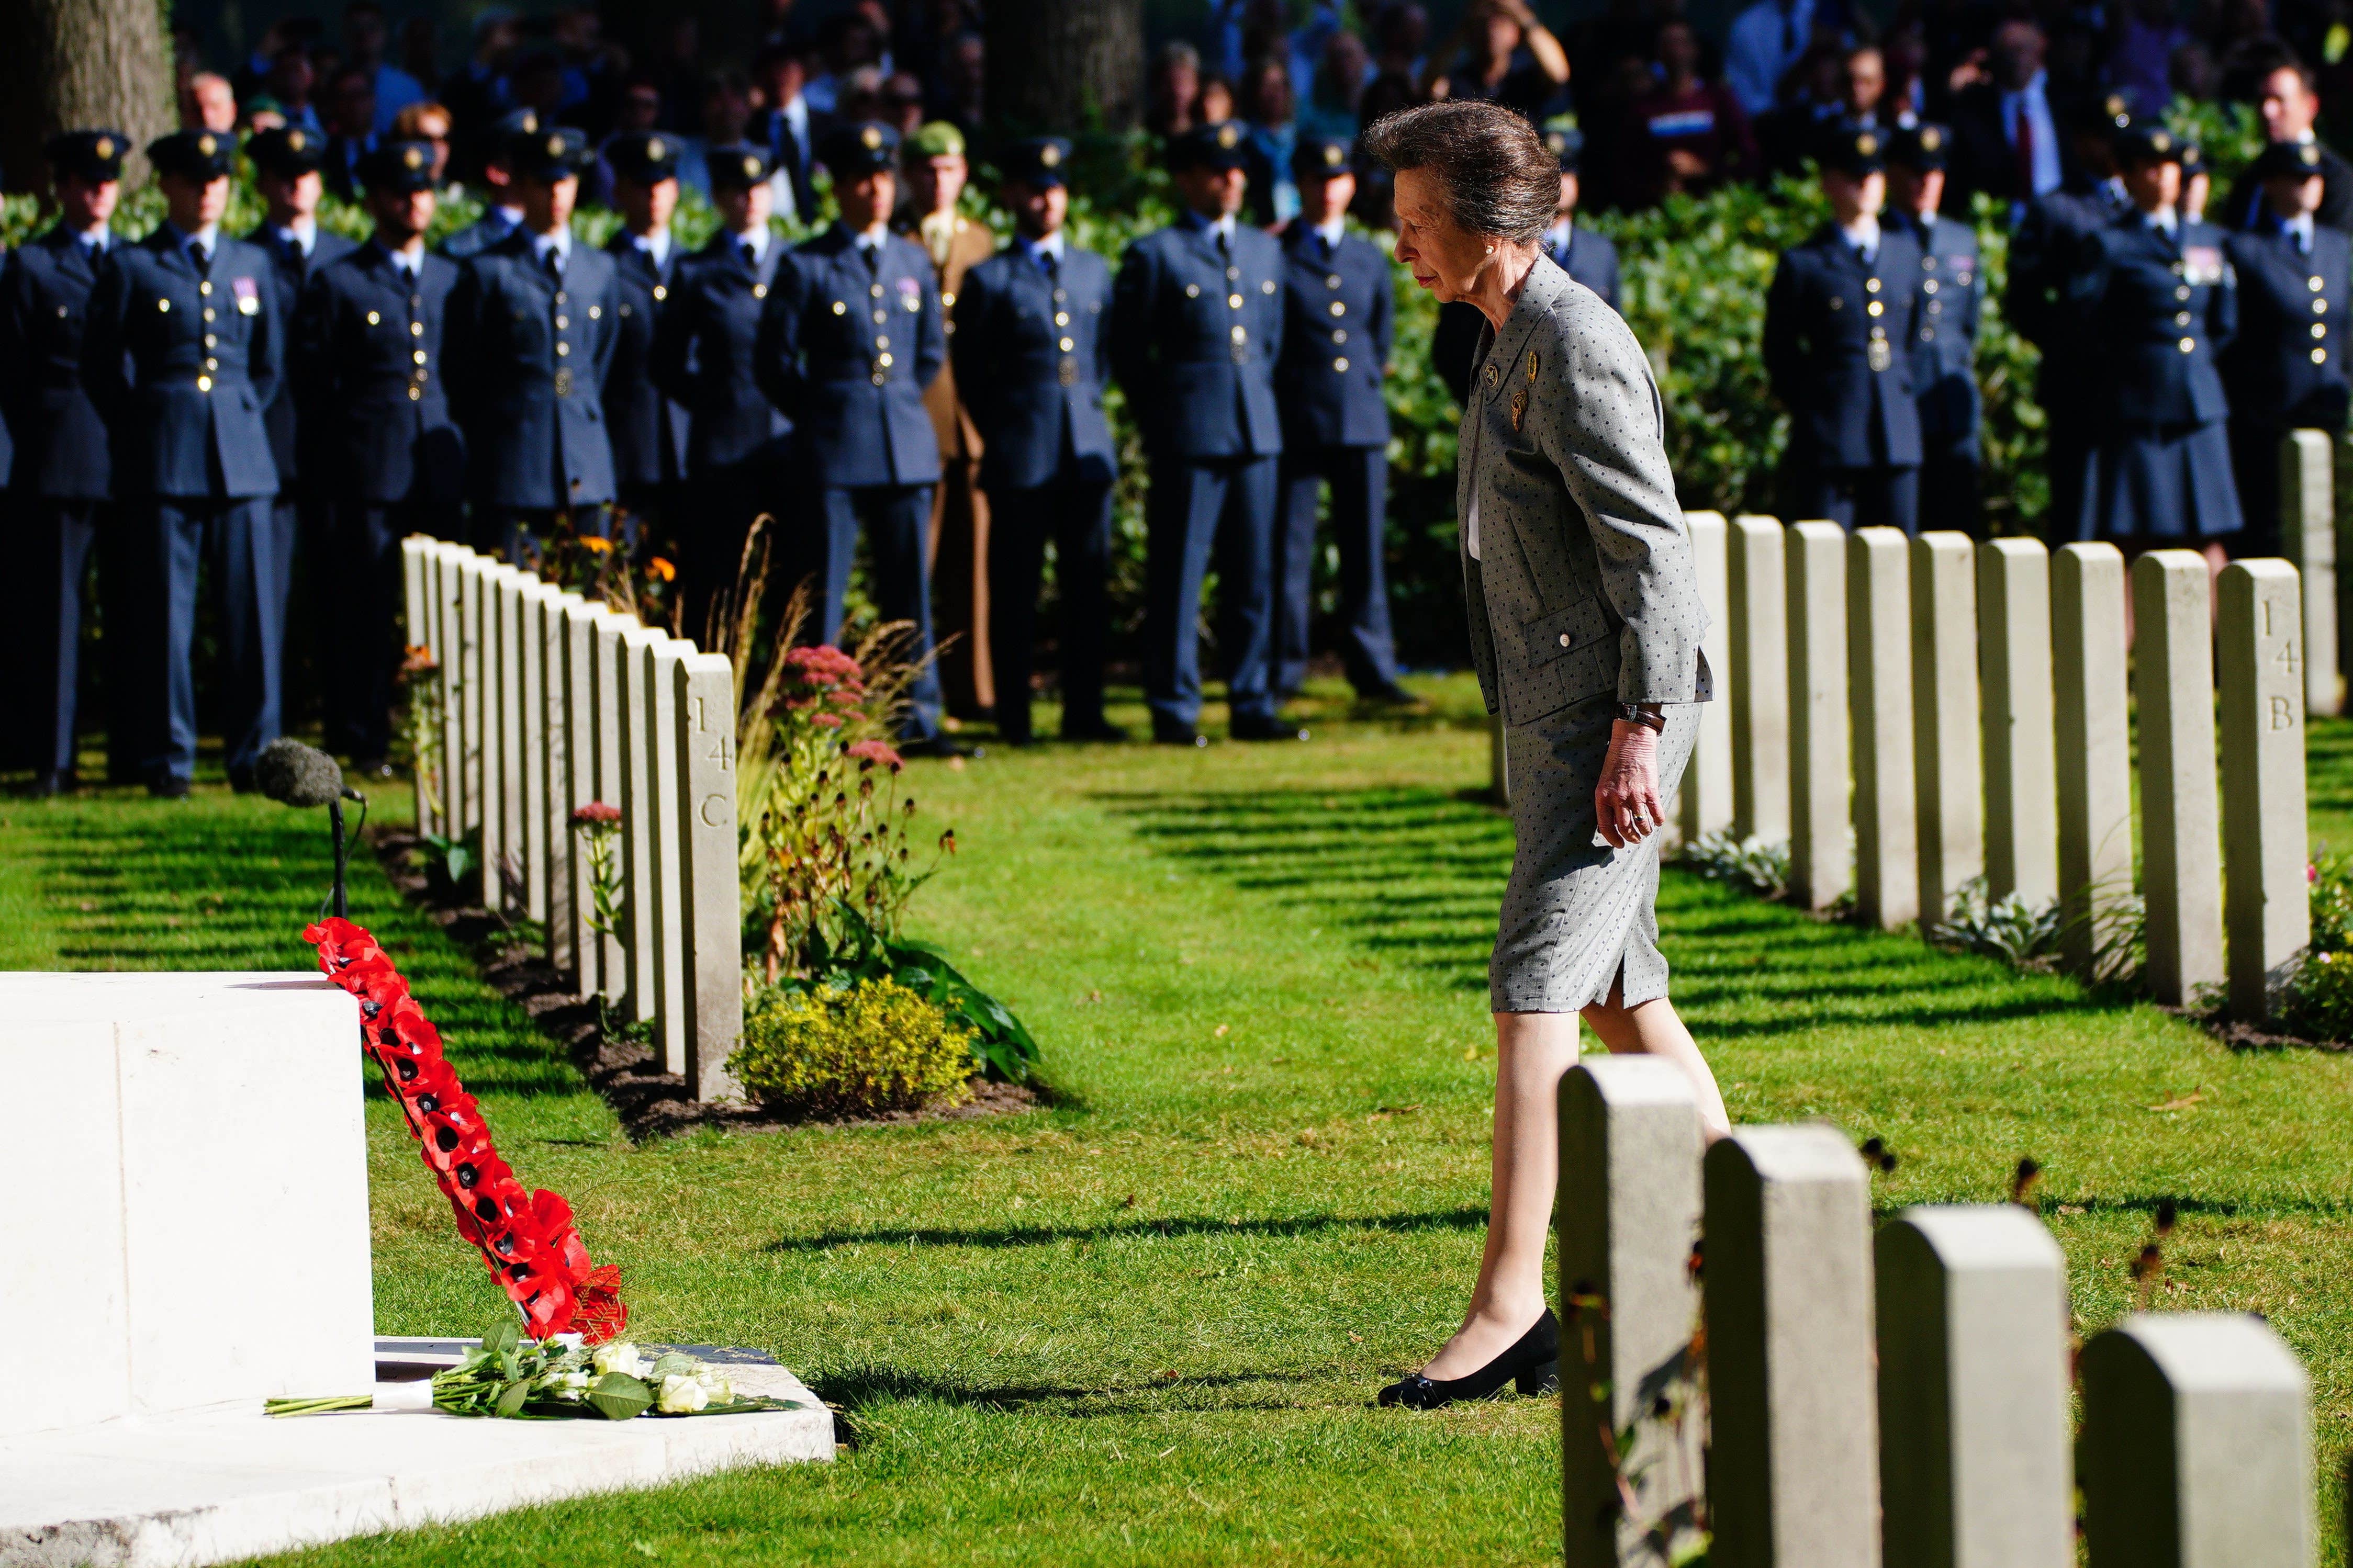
<point x="1585" y="584"/>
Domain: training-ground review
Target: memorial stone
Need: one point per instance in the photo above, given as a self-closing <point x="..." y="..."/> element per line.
<point x="662" y="660"/>
<point x="417" y="631"/>
<point x="473" y="757"/>
<point x="2269" y="914"/>
<point x="448" y="578"/>
<point x="1629" y="1214"/>
<point x="2094" y="754"/>
<point x="1704" y="797"/>
<point x="637" y="783"/>
<point x="2180" y="808"/>
<point x="579" y="631"/>
<point x="1820" y="859"/>
<point x="1879" y="658"/>
<point x="555" y="749"/>
<point x="2309" y="540"/>
<point x="1757" y="631"/>
<point x="1793" y="1463"/>
<point x="2021" y="813"/>
<point x="2197" y="1445"/>
<point x="1947" y="762"/>
<point x="711" y="890"/>
<point x="531" y="739"/>
<point x="1974" y="1460"/>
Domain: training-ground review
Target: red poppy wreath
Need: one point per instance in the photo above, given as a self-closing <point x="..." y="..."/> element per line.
<point x="527" y="1239"/>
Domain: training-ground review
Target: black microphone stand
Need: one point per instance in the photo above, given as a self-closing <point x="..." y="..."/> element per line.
<point x="343" y="906"/>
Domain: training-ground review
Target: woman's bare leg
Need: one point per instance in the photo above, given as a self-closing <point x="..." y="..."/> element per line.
<point x="1654" y="1028"/>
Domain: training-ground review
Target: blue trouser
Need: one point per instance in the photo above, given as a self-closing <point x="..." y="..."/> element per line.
<point x="1200" y="505"/>
<point x="1076" y="515"/>
<point x="896" y="518"/>
<point x="171" y="538"/>
<point x="1359" y="478"/>
<point x="44" y="672"/>
<point x="1881" y="497"/>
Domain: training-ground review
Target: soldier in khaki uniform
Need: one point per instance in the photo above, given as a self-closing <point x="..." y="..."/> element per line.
<point x="958" y="542"/>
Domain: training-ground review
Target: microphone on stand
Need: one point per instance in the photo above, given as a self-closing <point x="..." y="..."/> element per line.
<point x="293" y="774"/>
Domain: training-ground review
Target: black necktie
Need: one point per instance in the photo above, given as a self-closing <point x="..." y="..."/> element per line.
<point x="1052" y="264"/>
<point x="556" y="263"/>
<point x="202" y="257"/>
<point x="873" y="258"/>
<point x="751" y="256"/>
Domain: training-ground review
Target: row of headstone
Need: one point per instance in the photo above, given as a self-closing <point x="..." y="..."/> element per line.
<point x="548" y="703"/>
<point x="1897" y="1398"/>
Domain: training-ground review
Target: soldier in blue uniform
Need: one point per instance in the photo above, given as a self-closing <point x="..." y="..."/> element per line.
<point x="1197" y="327"/>
<point x="530" y="333"/>
<point x="286" y="162"/>
<point x="849" y="336"/>
<point x="501" y="208"/>
<point x="2285" y="369"/>
<point x="737" y="445"/>
<point x="181" y="353"/>
<point x="2159" y="303"/>
<point x="1840" y="320"/>
<point x="2045" y="255"/>
<point x="368" y="352"/>
<point x="1339" y="300"/>
<point x="1944" y="350"/>
<point x="1589" y="258"/>
<point x="647" y="430"/>
<point x="61" y="477"/>
<point x="1031" y="328"/>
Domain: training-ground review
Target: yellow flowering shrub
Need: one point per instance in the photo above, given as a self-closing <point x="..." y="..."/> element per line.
<point x="877" y="1046"/>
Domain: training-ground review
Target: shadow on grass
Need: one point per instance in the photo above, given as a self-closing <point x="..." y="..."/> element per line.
<point x="1047" y="1236"/>
<point x="860" y="1388"/>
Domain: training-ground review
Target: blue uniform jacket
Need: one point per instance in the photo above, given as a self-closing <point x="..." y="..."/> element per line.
<point x="2159" y="311"/>
<point x="527" y="359"/>
<point x="371" y="367"/>
<point x="2287" y="367"/>
<point x="477" y="237"/>
<point x="180" y="368"/>
<point x="60" y="438"/>
<point x="1339" y="309"/>
<point x="1851" y="406"/>
<point x="1194" y="340"/>
<point x="845" y="349"/>
<point x="1592" y="260"/>
<point x="1944" y="350"/>
<point x="647" y="430"/>
<point x="291" y="272"/>
<point x="704" y="355"/>
<point x="1037" y="355"/>
<point x="2044" y="255"/>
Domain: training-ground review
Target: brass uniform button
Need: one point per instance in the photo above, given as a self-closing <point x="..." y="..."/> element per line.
<point x="562" y="350"/>
<point x="210" y="340"/>
<point x="563" y="384"/>
<point x="1340" y="366"/>
<point x="559" y="295"/>
<point x="1061" y="318"/>
<point x="415" y="392"/>
<point x="163" y="306"/>
<point x="882" y="360"/>
<point x="880" y="317"/>
<point x="2187" y="344"/>
<point x="2320" y="356"/>
<point x="1928" y="334"/>
<point x="839" y="308"/>
<point x="661" y="292"/>
<point x="947" y="300"/>
<point x="204" y="383"/>
<point x="1837" y="303"/>
<point x="882" y="342"/>
<point x="759" y="292"/>
<point x="1234" y="301"/>
<point x="1929" y="287"/>
<point x="1339" y="308"/>
<point x="596" y="313"/>
<point x="419" y="356"/>
<point x="2181" y="293"/>
<point x="1233" y="273"/>
<point x="2319" y="331"/>
<point x="205" y="287"/>
<point x="1192" y="290"/>
<point x="212" y="364"/>
<point x="1332" y="281"/>
<point x="1240" y="335"/>
<point x="415" y="328"/>
<point x="1267" y="286"/>
<point x="2314" y="284"/>
<point x="562" y="322"/>
<point x="2182" y="318"/>
<point x="1874" y="308"/>
<point x="1871" y="285"/>
<point x="1339" y="335"/>
<point x="875" y="290"/>
<point x="2320" y="307"/>
<point x="374" y="320"/>
<point x="880" y="378"/>
<point x="1060" y="296"/>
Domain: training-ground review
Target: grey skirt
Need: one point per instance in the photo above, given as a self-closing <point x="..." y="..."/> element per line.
<point x="1578" y="915"/>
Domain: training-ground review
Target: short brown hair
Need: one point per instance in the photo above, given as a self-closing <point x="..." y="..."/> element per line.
<point x="1500" y="178"/>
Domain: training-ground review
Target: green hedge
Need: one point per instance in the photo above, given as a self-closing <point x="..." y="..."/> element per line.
<point x="1695" y="272"/>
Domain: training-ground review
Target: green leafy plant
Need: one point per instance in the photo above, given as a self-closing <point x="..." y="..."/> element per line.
<point x="452" y="863"/>
<point x="1759" y="864"/>
<point x="597" y="825"/>
<point x="998" y="1038"/>
<point x="2316" y="1001"/>
<point x="2022" y="935"/>
<point x="867" y="1047"/>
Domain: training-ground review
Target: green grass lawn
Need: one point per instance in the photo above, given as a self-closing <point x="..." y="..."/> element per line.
<point x="1144" y="1326"/>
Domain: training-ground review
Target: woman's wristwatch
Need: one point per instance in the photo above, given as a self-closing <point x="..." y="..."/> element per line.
<point x="1645" y="714"/>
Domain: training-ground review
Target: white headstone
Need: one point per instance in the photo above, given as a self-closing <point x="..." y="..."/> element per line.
<point x="579" y="692"/>
<point x="1758" y="634"/>
<point x="1793" y="1464"/>
<point x="1975" y="1460"/>
<point x="2264" y="831"/>
<point x="1879" y="657"/>
<point x="1628" y="1214"/>
<point x="2197" y="1445"/>
<point x="2309" y="540"/>
<point x="448" y="576"/>
<point x="474" y="708"/>
<point x="1821" y="863"/>
<point x="555" y="750"/>
<point x="502" y="741"/>
<point x="2021" y="806"/>
<point x="611" y="773"/>
<point x="2087" y="662"/>
<point x="2180" y="804"/>
<point x="667" y="777"/>
<point x="710" y="892"/>
<point x="417" y="631"/>
<point x="638" y="804"/>
<point x="1705" y="798"/>
<point x="531" y="738"/>
<point x="1949" y="765"/>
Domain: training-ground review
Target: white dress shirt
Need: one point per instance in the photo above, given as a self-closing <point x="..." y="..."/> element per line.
<point x="558" y="241"/>
<point x="303" y="231"/>
<point x="656" y="244"/>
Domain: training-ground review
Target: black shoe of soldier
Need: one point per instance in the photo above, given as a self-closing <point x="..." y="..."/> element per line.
<point x="1175" y="732"/>
<point x="1264" y="727"/>
<point x="1100" y="730"/>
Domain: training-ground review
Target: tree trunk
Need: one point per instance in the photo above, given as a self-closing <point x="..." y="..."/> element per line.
<point x="1065" y="65"/>
<point x="72" y="65"/>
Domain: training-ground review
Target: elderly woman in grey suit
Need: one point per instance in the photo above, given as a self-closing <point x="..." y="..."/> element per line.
<point x="1585" y="627"/>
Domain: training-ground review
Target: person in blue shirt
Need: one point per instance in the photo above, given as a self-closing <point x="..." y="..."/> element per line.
<point x="1339" y="307"/>
<point x="533" y="323"/>
<point x="369" y="345"/>
<point x="705" y="358"/>
<point x="647" y="429"/>
<point x="1031" y="327"/>
<point x="2285" y="369"/>
<point x="501" y="208"/>
<point x="1839" y="325"/>
<point x="2160" y="301"/>
<point x="1197" y="327"/>
<point x="1944" y="347"/>
<point x="181" y="353"/>
<point x="849" y="337"/>
<point x="61" y="478"/>
<point x="286" y="165"/>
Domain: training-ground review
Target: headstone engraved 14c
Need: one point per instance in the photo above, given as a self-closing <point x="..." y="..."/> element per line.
<point x="713" y="896"/>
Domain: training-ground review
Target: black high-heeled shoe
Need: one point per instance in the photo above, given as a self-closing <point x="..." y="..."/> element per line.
<point x="1533" y="1362"/>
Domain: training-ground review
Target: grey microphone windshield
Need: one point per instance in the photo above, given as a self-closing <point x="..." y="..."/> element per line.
<point x="293" y="774"/>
